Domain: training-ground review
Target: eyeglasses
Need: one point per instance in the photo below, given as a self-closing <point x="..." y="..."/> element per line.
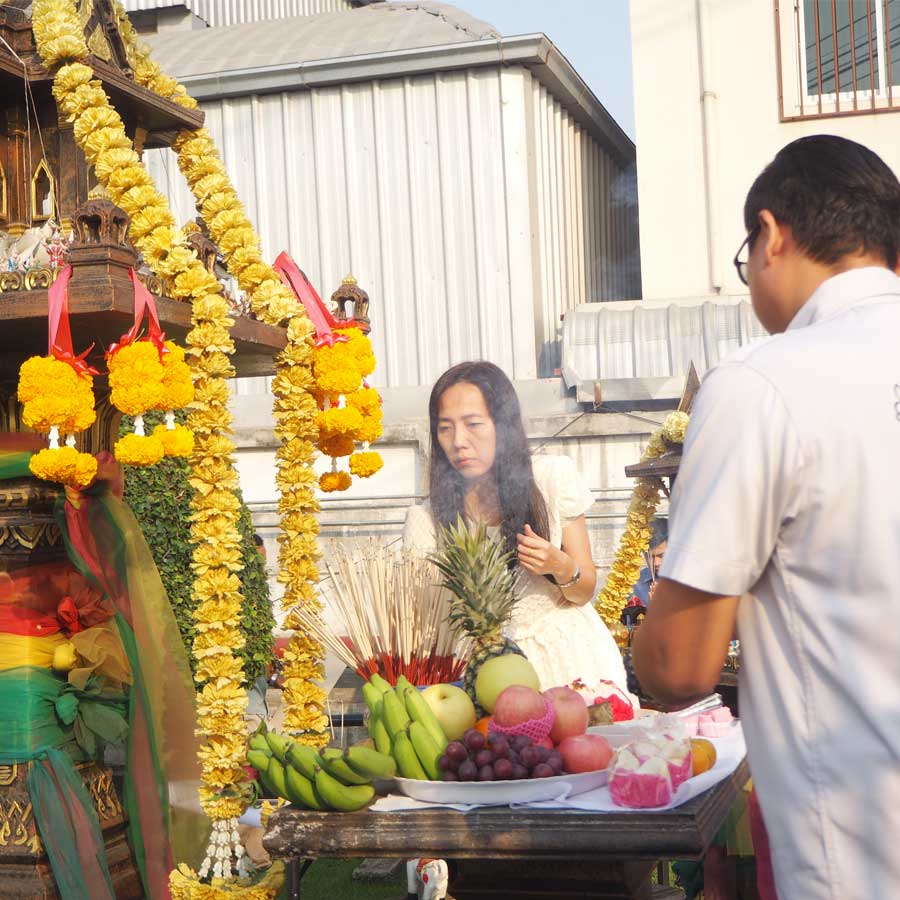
<point x="739" y="264"/>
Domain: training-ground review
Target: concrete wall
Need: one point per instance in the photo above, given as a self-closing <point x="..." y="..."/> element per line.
<point x="669" y="125"/>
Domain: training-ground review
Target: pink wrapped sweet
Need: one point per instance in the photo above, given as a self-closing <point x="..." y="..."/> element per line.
<point x="713" y="729"/>
<point x="639" y="785"/>
<point x="722" y="714"/>
<point x="690" y="725"/>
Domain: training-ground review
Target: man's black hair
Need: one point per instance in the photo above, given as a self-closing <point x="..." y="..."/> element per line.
<point x="837" y="196"/>
<point x="257" y="540"/>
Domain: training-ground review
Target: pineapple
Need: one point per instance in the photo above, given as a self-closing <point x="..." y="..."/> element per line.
<point x="476" y="572"/>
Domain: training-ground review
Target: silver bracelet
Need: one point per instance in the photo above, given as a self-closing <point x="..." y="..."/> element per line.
<point x="572" y="581"/>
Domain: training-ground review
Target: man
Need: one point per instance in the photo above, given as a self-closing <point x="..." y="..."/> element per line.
<point x="643" y="588"/>
<point x="785" y="520"/>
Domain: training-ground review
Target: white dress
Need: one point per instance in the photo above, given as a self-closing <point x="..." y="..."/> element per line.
<point x="562" y="641"/>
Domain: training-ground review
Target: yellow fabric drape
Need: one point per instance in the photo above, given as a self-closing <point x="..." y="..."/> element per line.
<point x="20" y="650"/>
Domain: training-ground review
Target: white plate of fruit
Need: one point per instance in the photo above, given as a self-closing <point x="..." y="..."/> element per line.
<point x="499" y="770"/>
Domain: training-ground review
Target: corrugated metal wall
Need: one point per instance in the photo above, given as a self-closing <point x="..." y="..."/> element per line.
<point x="587" y="243"/>
<point x="432" y="191"/>
<point x="234" y="12"/>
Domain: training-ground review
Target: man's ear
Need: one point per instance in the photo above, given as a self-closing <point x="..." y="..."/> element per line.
<point x="773" y="235"/>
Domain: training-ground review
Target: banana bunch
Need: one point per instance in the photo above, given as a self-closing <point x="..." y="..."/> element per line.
<point x="401" y="723"/>
<point x="331" y="780"/>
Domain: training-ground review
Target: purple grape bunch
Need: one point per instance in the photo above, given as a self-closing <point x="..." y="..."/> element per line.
<point x="498" y="758"/>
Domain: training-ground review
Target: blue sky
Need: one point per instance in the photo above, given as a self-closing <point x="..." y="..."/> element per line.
<point x="594" y="35"/>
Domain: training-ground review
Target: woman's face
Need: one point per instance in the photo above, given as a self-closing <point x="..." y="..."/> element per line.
<point x="465" y="430"/>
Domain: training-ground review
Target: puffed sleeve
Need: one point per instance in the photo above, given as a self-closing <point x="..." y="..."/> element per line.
<point x="562" y="484"/>
<point x="418" y="531"/>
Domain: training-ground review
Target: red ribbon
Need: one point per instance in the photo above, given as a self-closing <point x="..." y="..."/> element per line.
<point x="324" y="322"/>
<point x="143" y="302"/>
<point x="67" y="613"/>
<point x="59" y="338"/>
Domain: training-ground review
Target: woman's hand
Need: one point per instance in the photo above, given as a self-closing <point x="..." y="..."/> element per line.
<point x="541" y="558"/>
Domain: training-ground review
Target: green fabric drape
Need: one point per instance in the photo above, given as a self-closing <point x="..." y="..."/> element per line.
<point x="51" y="724"/>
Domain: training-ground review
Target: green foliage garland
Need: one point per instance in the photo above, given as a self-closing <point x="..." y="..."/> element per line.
<point x="160" y="497"/>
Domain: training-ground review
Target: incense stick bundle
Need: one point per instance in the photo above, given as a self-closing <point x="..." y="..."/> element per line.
<point x="394" y="616"/>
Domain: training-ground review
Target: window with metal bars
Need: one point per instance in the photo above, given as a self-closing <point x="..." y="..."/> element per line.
<point x="846" y="56"/>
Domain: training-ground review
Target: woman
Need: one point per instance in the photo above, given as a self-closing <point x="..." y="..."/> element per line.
<point x="481" y="468"/>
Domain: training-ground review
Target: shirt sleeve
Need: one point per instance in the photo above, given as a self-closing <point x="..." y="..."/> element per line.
<point x="419" y="534"/>
<point x="559" y="480"/>
<point x="738" y="483"/>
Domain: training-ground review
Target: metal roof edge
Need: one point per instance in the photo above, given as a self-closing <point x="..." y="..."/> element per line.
<point x="534" y="51"/>
<point x="561" y="78"/>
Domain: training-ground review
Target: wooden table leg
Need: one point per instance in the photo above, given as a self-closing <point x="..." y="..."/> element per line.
<point x="525" y="880"/>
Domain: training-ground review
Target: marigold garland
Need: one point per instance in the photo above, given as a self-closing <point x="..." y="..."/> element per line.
<point x="100" y="134"/>
<point x="65" y="466"/>
<point x="635" y="540"/>
<point x="294" y="404"/>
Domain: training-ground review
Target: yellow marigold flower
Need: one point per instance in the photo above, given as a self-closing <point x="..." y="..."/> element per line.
<point x="210" y="184"/>
<point x="125" y="178"/>
<point x="148" y="220"/>
<point x="65" y="48"/>
<point x="367" y="400"/>
<point x="136" y="378"/>
<point x="65" y="466"/>
<point x="103" y="139"/>
<point x="675" y="427"/>
<point x="134" y="450"/>
<point x="70" y="77"/>
<point x="212" y="446"/>
<point x="213" y="365"/>
<point x="177" y="442"/>
<point x="339" y="421"/>
<point x="364" y="465"/>
<point x="334" y="481"/>
<point x="94" y="119"/>
<point x="215" y="583"/>
<point x="370" y="430"/>
<point x="218" y="201"/>
<point x="338" y="445"/>
<point x="212" y="307"/>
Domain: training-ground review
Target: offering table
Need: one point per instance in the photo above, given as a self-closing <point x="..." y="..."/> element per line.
<point x="516" y="854"/>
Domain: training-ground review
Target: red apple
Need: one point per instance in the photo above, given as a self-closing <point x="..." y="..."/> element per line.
<point x="544" y="742"/>
<point x="517" y="704"/>
<point x="585" y="753"/>
<point x="570" y="713"/>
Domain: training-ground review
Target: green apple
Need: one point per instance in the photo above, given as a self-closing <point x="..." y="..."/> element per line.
<point x="501" y="672"/>
<point x="453" y="707"/>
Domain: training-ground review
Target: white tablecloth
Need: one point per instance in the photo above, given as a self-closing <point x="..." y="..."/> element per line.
<point x="730" y="751"/>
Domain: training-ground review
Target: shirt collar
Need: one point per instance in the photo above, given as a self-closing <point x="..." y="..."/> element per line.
<point x="841" y="291"/>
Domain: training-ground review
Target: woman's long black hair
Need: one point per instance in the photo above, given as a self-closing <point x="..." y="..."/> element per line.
<point x="520" y="500"/>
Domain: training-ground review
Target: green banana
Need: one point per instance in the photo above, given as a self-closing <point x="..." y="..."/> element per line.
<point x="301" y="790"/>
<point x="370" y="763"/>
<point x="381" y="736"/>
<point x="275" y="776"/>
<point x="372" y="696"/>
<point x="407" y="760"/>
<point x="334" y="763"/>
<point x="304" y="759"/>
<point x="395" y="715"/>
<point x="259" y="742"/>
<point x="259" y="759"/>
<point x="419" y="711"/>
<point x="342" y="797"/>
<point x="403" y="685"/>
<point x="379" y="683"/>
<point x="278" y="744"/>
<point x="426" y="749"/>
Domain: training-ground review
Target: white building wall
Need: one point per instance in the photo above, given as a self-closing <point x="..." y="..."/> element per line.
<point x="669" y="127"/>
<point x="468" y="204"/>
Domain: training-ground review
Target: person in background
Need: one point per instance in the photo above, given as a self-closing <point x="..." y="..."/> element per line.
<point x="785" y="521"/>
<point x="260" y="545"/>
<point x="482" y="469"/>
<point x="643" y="588"/>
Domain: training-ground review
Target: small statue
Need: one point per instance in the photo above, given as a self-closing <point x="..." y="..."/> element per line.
<point x="12" y="262"/>
<point x="55" y="248"/>
<point x="432" y="875"/>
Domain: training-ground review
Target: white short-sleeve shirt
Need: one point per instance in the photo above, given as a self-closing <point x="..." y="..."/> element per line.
<point x="789" y="494"/>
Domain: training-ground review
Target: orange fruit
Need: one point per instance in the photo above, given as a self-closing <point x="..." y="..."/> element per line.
<point x="703" y="755"/>
<point x="482" y="725"/>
